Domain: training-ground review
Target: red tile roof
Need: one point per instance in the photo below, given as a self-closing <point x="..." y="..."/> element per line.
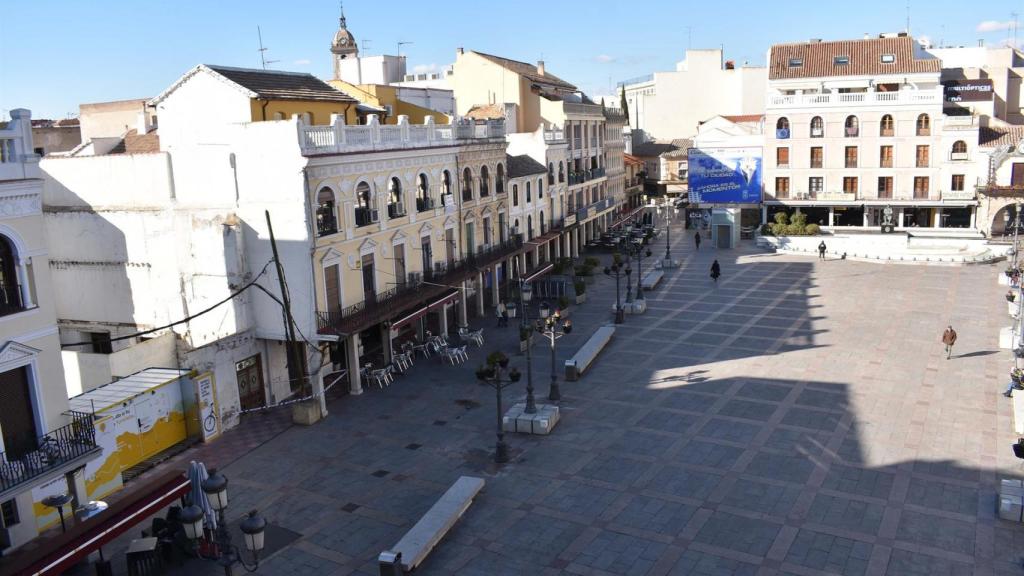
<point x="741" y="118"/>
<point x="133" y="143"/>
<point x="633" y="160"/>
<point x="865" y="58"/>
<point x="994" y="137"/>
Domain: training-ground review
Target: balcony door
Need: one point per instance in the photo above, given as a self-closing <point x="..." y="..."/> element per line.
<point x="1017" y="175"/>
<point x="428" y="265"/>
<point x="332" y="288"/>
<point x="400" y="264"/>
<point x="19" y="427"/>
<point x="369" y="285"/>
<point x="449" y="246"/>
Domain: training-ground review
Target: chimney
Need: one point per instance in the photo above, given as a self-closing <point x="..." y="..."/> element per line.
<point x="459" y="50"/>
<point x="540" y="67"/>
<point x="141" y="124"/>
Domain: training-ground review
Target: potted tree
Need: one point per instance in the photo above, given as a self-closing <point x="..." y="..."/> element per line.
<point x="484" y="372"/>
<point x="497" y="358"/>
<point x="525" y="338"/>
<point x="581" y="291"/>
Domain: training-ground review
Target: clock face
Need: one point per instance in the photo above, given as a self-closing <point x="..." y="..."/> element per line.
<point x="344" y="41"/>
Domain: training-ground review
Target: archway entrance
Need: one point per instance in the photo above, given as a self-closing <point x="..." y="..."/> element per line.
<point x="1003" y="221"/>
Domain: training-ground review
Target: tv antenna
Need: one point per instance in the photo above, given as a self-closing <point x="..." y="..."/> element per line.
<point x="400" y="44"/>
<point x="263" y="50"/>
<point x="366" y="45"/>
<point x="1014" y="14"/>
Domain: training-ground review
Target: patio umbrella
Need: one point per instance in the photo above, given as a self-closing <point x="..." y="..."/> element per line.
<point x="196" y="475"/>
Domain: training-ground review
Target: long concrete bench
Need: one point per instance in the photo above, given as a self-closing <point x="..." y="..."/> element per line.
<point x="587" y="353"/>
<point x="651" y="279"/>
<point x="417" y="543"/>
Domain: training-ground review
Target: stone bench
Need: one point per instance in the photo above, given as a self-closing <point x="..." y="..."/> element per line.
<point x="587" y="353"/>
<point x="651" y="279"/>
<point x="417" y="543"/>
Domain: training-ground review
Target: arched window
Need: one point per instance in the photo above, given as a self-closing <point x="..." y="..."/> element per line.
<point x="852" y="126"/>
<point x="515" y="195"/>
<point x="446" y="185"/>
<point x="540" y="188"/>
<point x="924" y="125"/>
<point x="887" y="127"/>
<point x="959" y="147"/>
<point x="423" y="200"/>
<point x="326" y="221"/>
<point x="543" y="226"/>
<point x="485" y="182"/>
<point x="499" y="182"/>
<point x="561" y="171"/>
<point x="551" y="173"/>
<point x="515" y="227"/>
<point x="12" y="297"/>
<point x="527" y="191"/>
<point x="529" y="225"/>
<point x="782" y="128"/>
<point x="307" y="117"/>
<point x="817" y="127"/>
<point x="396" y="208"/>
<point x="467" y="185"/>
<point x="278" y="115"/>
<point x="365" y="214"/>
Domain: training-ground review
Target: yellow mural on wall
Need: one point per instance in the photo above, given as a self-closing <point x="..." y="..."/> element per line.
<point x="128" y="432"/>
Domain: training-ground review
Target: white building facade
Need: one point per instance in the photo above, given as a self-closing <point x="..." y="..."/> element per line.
<point x="855" y="126"/>
<point x="43" y="442"/>
<point x="668" y="105"/>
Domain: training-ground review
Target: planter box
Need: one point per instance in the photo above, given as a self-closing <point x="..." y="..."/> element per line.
<point x="306" y="413"/>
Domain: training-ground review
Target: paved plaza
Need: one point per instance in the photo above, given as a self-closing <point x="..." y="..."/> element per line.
<point x="799" y="418"/>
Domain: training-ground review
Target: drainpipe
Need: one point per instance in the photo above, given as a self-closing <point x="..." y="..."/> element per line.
<point x="264" y="107"/>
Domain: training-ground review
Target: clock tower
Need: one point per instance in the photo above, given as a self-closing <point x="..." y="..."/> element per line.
<point x="343" y="47"/>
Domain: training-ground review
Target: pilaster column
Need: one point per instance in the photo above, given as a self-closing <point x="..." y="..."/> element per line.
<point x="355" y="384"/>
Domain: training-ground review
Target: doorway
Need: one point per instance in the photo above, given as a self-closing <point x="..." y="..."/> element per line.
<point x="249" y="375"/>
<point x="369" y="286"/>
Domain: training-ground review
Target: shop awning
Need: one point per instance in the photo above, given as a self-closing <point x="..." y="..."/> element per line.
<point x="422" y="311"/>
<point x="539" y="272"/>
<point x="629" y="216"/>
<point x="132" y="506"/>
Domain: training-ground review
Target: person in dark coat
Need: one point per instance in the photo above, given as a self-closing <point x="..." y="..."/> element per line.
<point x="716" y="271"/>
<point x="821" y="250"/>
<point x="696" y="239"/>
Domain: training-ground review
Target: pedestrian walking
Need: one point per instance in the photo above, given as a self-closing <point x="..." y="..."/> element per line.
<point x="821" y="250"/>
<point x="949" y="339"/>
<point x="696" y="239"/>
<point x="716" y="271"/>
<point x="499" y="313"/>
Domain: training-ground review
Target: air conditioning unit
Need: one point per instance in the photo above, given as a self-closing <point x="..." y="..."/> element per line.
<point x="374" y="215"/>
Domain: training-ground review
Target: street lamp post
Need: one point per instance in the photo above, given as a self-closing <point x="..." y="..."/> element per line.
<point x="640" y="252"/>
<point x="253" y="527"/>
<point x="525" y="296"/>
<point x="493" y="375"/>
<point x="549" y="325"/>
<point x="668" y="236"/>
<point x="618" y="270"/>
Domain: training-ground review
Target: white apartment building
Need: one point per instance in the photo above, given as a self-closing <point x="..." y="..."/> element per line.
<point x="855" y="126"/>
<point x="668" y="105"/>
<point x="43" y="442"/>
<point x="984" y="81"/>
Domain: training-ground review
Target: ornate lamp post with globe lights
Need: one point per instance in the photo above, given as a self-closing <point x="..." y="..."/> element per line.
<point x="216" y="489"/>
<point x="552" y="326"/>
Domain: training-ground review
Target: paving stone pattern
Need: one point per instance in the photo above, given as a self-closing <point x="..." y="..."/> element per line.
<point x="798" y="417"/>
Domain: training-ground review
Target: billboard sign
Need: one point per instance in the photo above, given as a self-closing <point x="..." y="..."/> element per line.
<point x="724" y="175"/>
<point x="967" y="90"/>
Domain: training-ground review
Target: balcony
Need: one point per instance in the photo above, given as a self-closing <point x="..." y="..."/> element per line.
<point x="59" y="451"/>
<point x="396" y="210"/>
<point x="339" y="137"/>
<point x="854" y="99"/>
<point x="554" y="135"/>
<point x="852" y="132"/>
<point x="782" y="133"/>
<point x="420" y="287"/>
<point x="887" y="132"/>
<point x="366" y="216"/>
<point x="577" y="143"/>
<point x="10" y="299"/>
<point x="326" y="223"/>
<point x="424" y="204"/>
<point x="782" y="165"/>
<point x="959" y="156"/>
<point x="836" y="196"/>
<point x="958" y="195"/>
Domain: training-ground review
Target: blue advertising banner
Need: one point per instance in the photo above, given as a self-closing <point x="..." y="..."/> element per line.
<point x="724" y="175"/>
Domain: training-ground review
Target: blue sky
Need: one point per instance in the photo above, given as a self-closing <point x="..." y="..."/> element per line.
<point x="57" y="54"/>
